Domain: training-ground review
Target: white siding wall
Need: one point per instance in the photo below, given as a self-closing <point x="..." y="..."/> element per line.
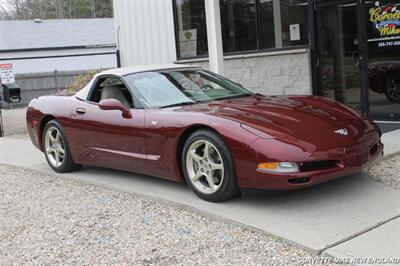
<point x="147" y="36"/>
<point x="146" y="31"/>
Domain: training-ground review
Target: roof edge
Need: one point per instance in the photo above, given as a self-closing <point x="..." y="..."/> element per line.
<point x="58" y="48"/>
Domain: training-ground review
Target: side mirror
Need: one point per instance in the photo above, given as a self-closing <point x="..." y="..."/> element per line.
<point x="113" y="104"/>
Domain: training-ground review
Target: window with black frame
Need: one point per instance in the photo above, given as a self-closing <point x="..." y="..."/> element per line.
<point x="190" y="17"/>
<point x="283" y="23"/>
<point x="247" y="25"/>
<point x="238" y="25"/>
<point x="294" y="22"/>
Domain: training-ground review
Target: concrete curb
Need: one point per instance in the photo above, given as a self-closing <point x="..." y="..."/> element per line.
<point x="174" y="204"/>
<point x="313" y="219"/>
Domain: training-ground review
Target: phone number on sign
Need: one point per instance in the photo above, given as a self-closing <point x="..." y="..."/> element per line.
<point x="389" y="43"/>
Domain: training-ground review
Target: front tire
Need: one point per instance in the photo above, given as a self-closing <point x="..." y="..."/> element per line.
<point x="392" y="88"/>
<point x="56" y="149"/>
<point x="208" y="167"/>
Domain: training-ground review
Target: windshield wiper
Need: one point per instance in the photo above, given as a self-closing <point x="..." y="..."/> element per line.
<point x="179" y="104"/>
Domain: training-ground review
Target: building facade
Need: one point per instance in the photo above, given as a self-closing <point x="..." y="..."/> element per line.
<point x="347" y="50"/>
<point x="40" y="46"/>
<point x="48" y="55"/>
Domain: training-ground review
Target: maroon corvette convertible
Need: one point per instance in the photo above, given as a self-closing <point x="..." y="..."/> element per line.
<point x="185" y="123"/>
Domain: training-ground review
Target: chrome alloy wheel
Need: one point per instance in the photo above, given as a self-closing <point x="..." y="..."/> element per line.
<point x="204" y="166"/>
<point x="54" y="147"/>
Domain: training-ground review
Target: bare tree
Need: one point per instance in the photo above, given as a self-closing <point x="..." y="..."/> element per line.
<point x="92" y="9"/>
<point x="15" y="9"/>
<point x="47" y="9"/>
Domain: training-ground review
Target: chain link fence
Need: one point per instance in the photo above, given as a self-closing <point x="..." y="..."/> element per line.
<point x="47" y="75"/>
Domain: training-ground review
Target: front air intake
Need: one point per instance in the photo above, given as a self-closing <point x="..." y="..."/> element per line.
<point x="318" y="165"/>
<point x="301" y="180"/>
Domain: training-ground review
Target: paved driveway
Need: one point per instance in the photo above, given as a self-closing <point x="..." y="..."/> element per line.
<point x="336" y="218"/>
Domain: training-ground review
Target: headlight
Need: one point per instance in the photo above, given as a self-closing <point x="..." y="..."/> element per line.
<point x="279" y="167"/>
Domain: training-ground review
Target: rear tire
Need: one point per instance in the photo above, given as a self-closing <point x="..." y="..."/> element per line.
<point x="56" y="149"/>
<point x="206" y="160"/>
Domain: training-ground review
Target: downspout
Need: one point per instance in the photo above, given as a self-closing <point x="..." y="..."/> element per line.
<point x="117" y="52"/>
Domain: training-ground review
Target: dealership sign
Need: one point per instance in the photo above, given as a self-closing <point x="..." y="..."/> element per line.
<point x="7" y="74"/>
<point x="188" y="43"/>
<point x="386" y="19"/>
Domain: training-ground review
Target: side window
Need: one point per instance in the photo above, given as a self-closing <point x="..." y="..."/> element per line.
<point x="111" y="88"/>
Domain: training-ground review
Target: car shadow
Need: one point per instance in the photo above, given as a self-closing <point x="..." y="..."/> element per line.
<point x="341" y="188"/>
<point x="352" y="189"/>
<point x="345" y="184"/>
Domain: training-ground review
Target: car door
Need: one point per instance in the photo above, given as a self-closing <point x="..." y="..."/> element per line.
<point x="104" y="137"/>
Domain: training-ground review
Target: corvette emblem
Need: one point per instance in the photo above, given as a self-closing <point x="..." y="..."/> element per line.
<point x="342" y="131"/>
<point x="154" y="123"/>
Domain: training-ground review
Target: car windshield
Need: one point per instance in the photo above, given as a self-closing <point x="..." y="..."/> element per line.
<point x="181" y="87"/>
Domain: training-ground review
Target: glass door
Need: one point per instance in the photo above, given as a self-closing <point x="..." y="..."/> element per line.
<point x="339" y="52"/>
<point x="383" y="39"/>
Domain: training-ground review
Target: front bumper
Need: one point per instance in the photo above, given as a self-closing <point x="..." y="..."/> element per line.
<point x="347" y="165"/>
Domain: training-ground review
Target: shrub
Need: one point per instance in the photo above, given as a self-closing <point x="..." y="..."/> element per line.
<point x="81" y="81"/>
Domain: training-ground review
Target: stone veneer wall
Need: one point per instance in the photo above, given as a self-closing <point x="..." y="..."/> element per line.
<point x="270" y="73"/>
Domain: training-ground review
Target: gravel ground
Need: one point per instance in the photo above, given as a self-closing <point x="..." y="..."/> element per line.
<point x="52" y="220"/>
<point x="387" y="172"/>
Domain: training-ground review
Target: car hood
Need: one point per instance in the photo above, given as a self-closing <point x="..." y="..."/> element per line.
<point x="300" y="117"/>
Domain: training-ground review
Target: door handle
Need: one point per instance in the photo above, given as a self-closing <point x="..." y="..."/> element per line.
<point x="80" y="111"/>
<point x="356" y="59"/>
